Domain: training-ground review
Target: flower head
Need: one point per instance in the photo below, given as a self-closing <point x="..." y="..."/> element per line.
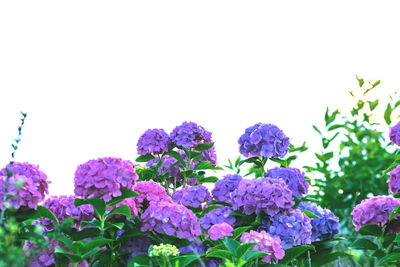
<point x="164" y="250"/>
<point x="190" y="134"/>
<point x="104" y="177"/>
<point x="170" y="217"/>
<point x="217" y="216"/>
<point x="292" y="226"/>
<point x="220" y="230"/>
<point x="197" y="247"/>
<point x="394" y="180"/>
<point x="135" y="246"/>
<point x="153" y="141"/>
<point x="192" y="196"/>
<point x="293" y="178"/>
<point x="223" y="188"/>
<point x="264" y="140"/>
<point x="265" y="243"/>
<point x="324" y="228"/>
<point x="375" y="210"/>
<point x="149" y="192"/>
<point x="394" y="134"/>
<point x="256" y="195"/>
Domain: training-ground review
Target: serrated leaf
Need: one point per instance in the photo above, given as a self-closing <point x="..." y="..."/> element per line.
<point x="144" y="158"/>
<point x="177" y="156"/>
<point x="243" y="248"/>
<point x="204" y="146"/>
<point x="98" y="204"/>
<point x="237" y="232"/>
<point x="204" y="165"/>
<point x="363" y="243"/>
<point x="219" y="253"/>
<point x="121" y="210"/>
<point x="394" y="213"/>
<point x="125" y="193"/>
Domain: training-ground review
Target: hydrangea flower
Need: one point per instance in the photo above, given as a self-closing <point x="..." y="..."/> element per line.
<point x="293" y="178"/>
<point x="27" y="187"/>
<point x="217" y="216"/>
<point x="256" y="195"/>
<point x="394" y="134"/>
<point x="394" y="180"/>
<point x="265" y="243"/>
<point x="104" y="178"/>
<point x="1" y="191"/>
<point x="223" y="188"/>
<point x="210" y="155"/>
<point x="192" y="196"/>
<point x="149" y="192"/>
<point x="264" y="140"/>
<point x="220" y="230"/>
<point x="375" y="210"/>
<point x="164" y="250"/>
<point x="153" y="141"/>
<point x="171" y="217"/>
<point x="190" y="134"/>
<point x="135" y="246"/>
<point x="197" y="247"/>
<point x="292" y="226"/>
<point x="324" y="228"/>
<point x="63" y="207"/>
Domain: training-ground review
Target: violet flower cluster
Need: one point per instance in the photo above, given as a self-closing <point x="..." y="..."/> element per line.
<point x="394" y="134"/>
<point x="218" y="231"/>
<point x="149" y="192"/>
<point x="265" y="243"/>
<point x="375" y="210"/>
<point x="135" y="246"/>
<point x="264" y="140"/>
<point x="256" y="195"/>
<point x="216" y="216"/>
<point x="190" y="134"/>
<point x="63" y="208"/>
<point x="292" y="226"/>
<point x="293" y="178"/>
<point x="197" y="247"/>
<point x="223" y="188"/>
<point x="104" y="178"/>
<point x="324" y="228"/>
<point x="394" y="180"/>
<point x="171" y="217"/>
<point x="27" y="186"/>
<point x="153" y="141"/>
<point x="192" y="196"/>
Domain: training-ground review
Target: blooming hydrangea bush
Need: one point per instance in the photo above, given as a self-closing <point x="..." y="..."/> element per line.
<point x="293" y="178"/>
<point x="192" y="196"/>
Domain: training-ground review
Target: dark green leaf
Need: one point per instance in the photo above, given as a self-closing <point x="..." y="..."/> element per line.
<point x="32" y="236"/>
<point x="72" y="257"/>
<point x="177" y="156"/>
<point x="98" y="204"/>
<point x="122" y="210"/>
<point x="96" y="243"/>
<point x="125" y="193"/>
<point x="363" y="243"/>
<point x="220" y="253"/>
<point x="394" y="213"/>
<point x="243" y="248"/>
<point x="392" y="257"/>
<point x="251" y="255"/>
<point x="204" y="146"/>
<point x="388" y="113"/>
<point x="231" y="245"/>
<point x="204" y="165"/>
<point x="145" y="158"/>
<point x="294" y="252"/>
<point x="46" y="213"/>
<point x="208" y="209"/>
<point x="316" y="129"/>
<point x="370" y="229"/>
<point x="237" y="232"/>
<point x="310" y="214"/>
<point x="360" y="81"/>
<point x="85" y="233"/>
<point x="335" y="126"/>
<point x="210" y="179"/>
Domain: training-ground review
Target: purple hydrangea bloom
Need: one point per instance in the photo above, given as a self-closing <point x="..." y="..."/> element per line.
<point x="197" y="247"/>
<point x="63" y="207"/>
<point x="210" y="155"/>
<point x="394" y="180"/>
<point x="192" y="196"/>
<point x="135" y="246"/>
<point x="220" y="230"/>
<point x="375" y="210"/>
<point x="293" y="178"/>
<point x="324" y="228"/>
<point x="33" y="181"/>
<point x="150" y="192"/>
<point x="394" y="134"/>
<point x="256" y="195"/>
<point x="171" y="217"/>
<point x="104" y="177"/>
<point x="153" y="141"/>
<point x="190" y="134"/>
<point x="217" y="216"/>
<point x="293" y="227"/>
<point x="223" y="188"/>
<point x="265" y="243"/>
<point x="264" y="140"/>
<point x="1" y="191"/>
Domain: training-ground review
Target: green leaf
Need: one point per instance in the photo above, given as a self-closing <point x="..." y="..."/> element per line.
<point x="208" y="209"/>
<point x="335" y="126"/>
<point x="294" y="252"/>
<point x="363" y="243"/>
<point x="66" y="241"/>
<point x="373" y="86"/>
<point x="251" y="255"/>
<point x="392" y="257"/>
<point x="394" y="213"/>
<point x="196" y="156"/>
<point x="373" y="104"/>
<point x="243" y="248"/>
<point x="237" y="232"/>
<point x="125" y="193"/>
<point x="144" y="158"/>
<point x="96" y="243"/>
<point x="360" y="81"/>
<point x="32" y="236"/>
<point x="72" y="257"/>
<point x="210" y="179"/>
<point x="324" y="157"/>
<point x="204" y="165"/>
<point x="282" y="162"/>
<point x="213" y="202"/>
<point x="46" y="213"/>
<point x="231" y="245"/>
<point x="220" y="253"/>
<point x="140" y="260"/>
<point x="310" y="214"/>
<point x="316" y="129"/>
<point x="387" y="114"/>
<point x="204" y="146"/>
<point x="98" y="204"/>
<point x="121" y="210"/>
<point x="371" y="229"/>
<point x="177" y="156"/>
<point x="85" y="233"/>
<point x="330" y="118"/>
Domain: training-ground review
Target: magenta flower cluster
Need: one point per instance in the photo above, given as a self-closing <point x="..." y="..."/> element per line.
<point x="394" y="180"/>
<point x="323" y="228"/>
<point x="27" y="187"/>
<point x="256" y="195"/>
<point x="394" y="134"/>
<point x="153" y="141"/>
<point x="220" y="230"/>
<point x="264" y="140"/>
<point x="171" y="218"/>
<point x="375" y="210"/>
<point x="192" y="196"/>
<point x="223" y="188"/>
<point x="216" y="216"/>
<point x="63" y="207"/>
<point x="149" y="192"/>
<point x="265" y="243"/>
<point x="104" y="178"/>
<point x="293" y="177"/>
<point x="190" y="134"/>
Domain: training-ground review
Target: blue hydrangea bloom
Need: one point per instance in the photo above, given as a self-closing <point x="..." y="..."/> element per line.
<point x="217" y="216"/>
<point x="192" y="196"/>
<point x="293" y="177"/>
<point x="264" y="140"/>
<point x="224" y="187"/>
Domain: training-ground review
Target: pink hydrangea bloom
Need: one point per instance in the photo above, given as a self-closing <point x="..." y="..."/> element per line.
<point x="149" y="191"/>
<point x="220" y="230"/>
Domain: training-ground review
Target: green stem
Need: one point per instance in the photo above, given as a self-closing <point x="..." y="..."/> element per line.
<point x="187" y="169"/>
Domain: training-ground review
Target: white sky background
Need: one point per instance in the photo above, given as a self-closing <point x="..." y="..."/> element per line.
<point x="94" y="75"/>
